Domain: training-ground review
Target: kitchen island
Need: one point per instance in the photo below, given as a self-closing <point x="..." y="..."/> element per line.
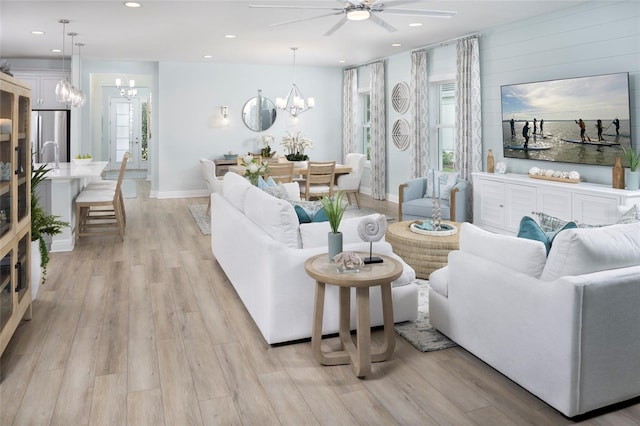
<point x="58" y="192"/>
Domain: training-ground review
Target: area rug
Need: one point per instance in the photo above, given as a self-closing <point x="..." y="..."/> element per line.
<point x="203" y="220"/>
<point x="420" y="333"/>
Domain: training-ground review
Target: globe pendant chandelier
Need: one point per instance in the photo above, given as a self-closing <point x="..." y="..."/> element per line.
<point x="294" y="102"/>
<point x="65" y="91"/>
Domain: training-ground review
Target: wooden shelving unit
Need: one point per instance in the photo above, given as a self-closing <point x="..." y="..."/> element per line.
<point x="15" y="212"/>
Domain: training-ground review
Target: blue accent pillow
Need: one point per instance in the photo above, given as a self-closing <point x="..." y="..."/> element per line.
<point x="530" y="229"/>
<point x="262" y="184"/>
<point x="303" y="216"/>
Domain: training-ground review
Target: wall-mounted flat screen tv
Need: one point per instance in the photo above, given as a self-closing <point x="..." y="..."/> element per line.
<point x="581" y="120"/>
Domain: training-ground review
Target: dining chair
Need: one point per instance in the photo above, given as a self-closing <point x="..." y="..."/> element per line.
<point x="318" y="180"/>
<point x="280" y="172"/>
<point x="101" y="210"/>
<point x="350" y="183"/>
<point x="214" y="183"/>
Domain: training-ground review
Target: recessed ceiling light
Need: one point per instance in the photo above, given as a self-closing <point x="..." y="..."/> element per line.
<point x="132" y="4"/>
<point x="36" y="32"/>
<point x="415" y="24"/>
<point x="208" y="56"/>
<point x="341" y="61"/>
<point x="396" y="45"/>
<point x="56" y="50"/>
<point x="229" y="36"/>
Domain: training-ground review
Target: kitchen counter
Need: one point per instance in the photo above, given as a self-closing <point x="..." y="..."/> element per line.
<point x="58" y="192"/>
<point x="92" y="170"/>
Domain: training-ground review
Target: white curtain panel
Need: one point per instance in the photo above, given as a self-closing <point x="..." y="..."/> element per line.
<point x="419" y="145"/>
<point x="378" y="132"/>
<point x="468" y="113"/>
<point x="349" y="106"/>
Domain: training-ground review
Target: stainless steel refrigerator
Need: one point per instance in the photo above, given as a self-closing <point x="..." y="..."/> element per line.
<point x="50" y="125"/>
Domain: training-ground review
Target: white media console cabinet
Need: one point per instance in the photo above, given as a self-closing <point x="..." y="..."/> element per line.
<point x="501" y="200"/>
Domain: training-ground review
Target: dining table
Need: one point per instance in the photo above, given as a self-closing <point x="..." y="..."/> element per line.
<point x="341" y="169"/>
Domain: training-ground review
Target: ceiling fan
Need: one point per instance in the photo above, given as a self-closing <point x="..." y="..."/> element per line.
<point x="360" y="10"/>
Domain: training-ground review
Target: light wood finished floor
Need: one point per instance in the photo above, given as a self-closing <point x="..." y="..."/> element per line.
<point x="150" y="332"/>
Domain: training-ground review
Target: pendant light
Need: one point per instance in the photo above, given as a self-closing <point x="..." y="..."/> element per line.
<point x="81" y="98"/>
<point x="63" y="88"/>
<point x="294" y="102"/>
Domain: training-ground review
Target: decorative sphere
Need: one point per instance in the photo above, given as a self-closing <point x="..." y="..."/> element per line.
<point x="534" y="171"/>
<point x="574" y="175"/>
<point x="548" y="173"/>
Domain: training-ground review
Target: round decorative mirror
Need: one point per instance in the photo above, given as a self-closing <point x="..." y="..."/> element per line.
<point x="400" y="97"/>
<point x="259" y="113"/>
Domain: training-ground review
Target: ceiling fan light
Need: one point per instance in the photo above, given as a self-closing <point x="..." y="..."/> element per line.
<point x="358" y="15"/>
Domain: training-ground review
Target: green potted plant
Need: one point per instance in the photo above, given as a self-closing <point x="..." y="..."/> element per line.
<point x="334" y="209"/>
<point x="633" y="175"/>
<point x="42" y="223"/>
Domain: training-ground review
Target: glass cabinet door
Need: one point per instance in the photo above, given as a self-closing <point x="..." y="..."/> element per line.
<point x="23" y="267"/>
<point x="23" y="157"/>
<point x="6" y="296"/>
<point x="6" y="160"/>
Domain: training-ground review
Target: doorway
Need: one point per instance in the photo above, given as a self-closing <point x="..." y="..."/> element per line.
<point x="127" y="132"/>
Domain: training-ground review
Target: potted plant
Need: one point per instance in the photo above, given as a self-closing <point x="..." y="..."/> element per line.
<point x="633" y="175"/>
<point x="42" y="223"/>
<point x="334" y="209"/>
<point x="294" y="146"/>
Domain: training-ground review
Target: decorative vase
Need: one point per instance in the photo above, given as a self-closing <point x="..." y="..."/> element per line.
<point x="490" y="162"/>
<point x="299" y="164"/>
<point x="334" y="244"/>
<point x="617" y="175"/>
<point x="633" y="180"/>
<point x="36" y="269"/>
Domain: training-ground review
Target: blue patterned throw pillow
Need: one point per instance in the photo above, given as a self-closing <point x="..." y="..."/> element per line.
<point x="530" y="229"/>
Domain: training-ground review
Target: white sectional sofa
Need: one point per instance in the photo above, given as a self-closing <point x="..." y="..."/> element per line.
<point x="566" y="327"/>
<point x="258" y="242"/>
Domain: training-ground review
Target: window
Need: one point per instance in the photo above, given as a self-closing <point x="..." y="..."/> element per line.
<point x="366" y="124"/>
<point x="446" y="125"/>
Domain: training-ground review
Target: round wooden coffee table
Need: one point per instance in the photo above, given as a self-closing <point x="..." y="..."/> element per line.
<point x="359" y="354"/>
<point x="424" y="253"/>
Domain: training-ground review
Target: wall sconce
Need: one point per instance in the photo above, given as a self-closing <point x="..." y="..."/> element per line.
<point x="224" y="111"/>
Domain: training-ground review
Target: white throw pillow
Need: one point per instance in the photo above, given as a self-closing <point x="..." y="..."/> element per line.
<point x="315" y="234"/>
<point x="234" y="189"/>
<point x="586" y="250"/>
<point x="274" y="216"/>
<point x="523" y="255"/>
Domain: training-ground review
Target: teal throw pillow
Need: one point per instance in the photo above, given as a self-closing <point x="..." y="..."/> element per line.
<point x="320" y="216"/>
<point x="530" y="229"/>
<point x="303" y="216"/>
<point x="309" y="211"/>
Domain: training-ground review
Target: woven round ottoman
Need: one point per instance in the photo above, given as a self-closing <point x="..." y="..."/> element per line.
<point x="424" y="253"/>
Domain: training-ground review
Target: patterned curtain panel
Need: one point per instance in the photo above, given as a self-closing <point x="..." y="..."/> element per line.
<point x="378" y="133"/>
<point x="468" y="113"/>
<point x="419" y="145"/>
<point x="349" y="106"/>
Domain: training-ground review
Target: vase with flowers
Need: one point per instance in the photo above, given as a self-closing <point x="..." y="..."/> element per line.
<point x="294" y="146"/>
<point x="254" y="168"/>
<point x="265" y="142"/>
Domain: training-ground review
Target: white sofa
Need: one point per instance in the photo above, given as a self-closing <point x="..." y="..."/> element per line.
<point x="566" y="327"/>
<point x="258" y="242"/>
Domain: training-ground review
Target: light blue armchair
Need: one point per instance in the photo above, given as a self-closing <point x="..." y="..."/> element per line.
<point x="415" y="197"/>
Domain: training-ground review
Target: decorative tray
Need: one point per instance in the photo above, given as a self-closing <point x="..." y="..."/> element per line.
<point x="445" y="230"/>
<point x="554" y="179"/>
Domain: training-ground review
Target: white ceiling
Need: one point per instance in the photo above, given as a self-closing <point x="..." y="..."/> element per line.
<point x="185" y="31"/>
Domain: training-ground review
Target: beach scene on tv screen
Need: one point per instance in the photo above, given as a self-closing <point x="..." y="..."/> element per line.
<point x="581" y="120"/>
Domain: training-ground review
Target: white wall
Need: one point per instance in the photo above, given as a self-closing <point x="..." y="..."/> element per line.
<point x="589" y="40"/>
<point x="190" y="125"/>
